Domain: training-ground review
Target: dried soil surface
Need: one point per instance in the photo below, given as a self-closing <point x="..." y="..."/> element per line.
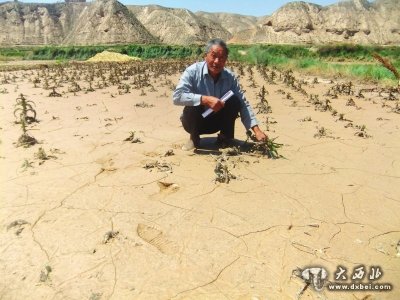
<point x="119" y="211"/>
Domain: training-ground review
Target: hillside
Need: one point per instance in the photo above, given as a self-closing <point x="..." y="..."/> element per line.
<point x="178" y="26"/>
<point x="357" y="21"/>
<point x="231" y="22"/>
<point x="111" y="22"/>
<point x="98" y="22"/>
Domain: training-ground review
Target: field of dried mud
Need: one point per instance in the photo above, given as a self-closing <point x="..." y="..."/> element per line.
<point x="106" y="205"/>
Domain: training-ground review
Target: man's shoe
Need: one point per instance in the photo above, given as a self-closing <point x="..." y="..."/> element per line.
<point x="192" y="143"/>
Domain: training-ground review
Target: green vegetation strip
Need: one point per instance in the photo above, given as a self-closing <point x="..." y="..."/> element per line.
<point x="85" y="52"/>
<point x="341" y="59"/>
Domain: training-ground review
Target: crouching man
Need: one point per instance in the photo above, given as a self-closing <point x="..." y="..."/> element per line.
<point x="201" y="87"/>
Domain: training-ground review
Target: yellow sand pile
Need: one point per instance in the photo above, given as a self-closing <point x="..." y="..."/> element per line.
<point x="112" y="56"/>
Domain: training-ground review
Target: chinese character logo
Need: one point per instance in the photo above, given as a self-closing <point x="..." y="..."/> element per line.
<point x="375" y="273"/>
<point x="340" y="273"/>
<point x="362" y="278"/>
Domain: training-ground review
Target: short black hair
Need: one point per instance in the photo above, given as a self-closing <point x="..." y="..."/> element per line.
<point x="216" y="42"/>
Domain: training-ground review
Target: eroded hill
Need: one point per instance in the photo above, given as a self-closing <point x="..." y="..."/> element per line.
<point x="111" y="22"/>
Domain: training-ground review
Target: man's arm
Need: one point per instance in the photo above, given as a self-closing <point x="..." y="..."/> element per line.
<point x="184" y="93"/>
<point x="247" y="115"/>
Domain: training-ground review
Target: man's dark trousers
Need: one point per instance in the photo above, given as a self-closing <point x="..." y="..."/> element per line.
<point x="223" y="120"/>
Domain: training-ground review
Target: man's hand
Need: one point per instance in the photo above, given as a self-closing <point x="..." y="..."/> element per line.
<point x="260" y="136"/>
<point x="212" y="102"/>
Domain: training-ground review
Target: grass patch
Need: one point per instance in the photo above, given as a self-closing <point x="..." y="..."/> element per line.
<point x="306" y="63"/>
<point x="354" y="61"/>
<point x="370" y="71"/>
<point x="356" y="52"/>
<point x="357" y="70"/>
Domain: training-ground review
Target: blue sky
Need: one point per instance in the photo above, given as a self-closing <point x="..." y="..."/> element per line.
<point x="249" y="7"/>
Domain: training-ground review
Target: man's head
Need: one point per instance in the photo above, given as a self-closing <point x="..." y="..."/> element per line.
<point x="216" y="56"/>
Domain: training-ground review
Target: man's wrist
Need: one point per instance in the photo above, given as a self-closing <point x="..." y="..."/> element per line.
<point x="203" y="100"/>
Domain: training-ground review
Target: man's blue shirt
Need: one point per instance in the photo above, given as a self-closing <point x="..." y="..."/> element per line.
<point x="196" y="81"/>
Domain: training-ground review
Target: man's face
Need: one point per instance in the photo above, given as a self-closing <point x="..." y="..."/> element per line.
<point x="216" y="59"/>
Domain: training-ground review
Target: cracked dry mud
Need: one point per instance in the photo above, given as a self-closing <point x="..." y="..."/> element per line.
<point x="180" y="235"/>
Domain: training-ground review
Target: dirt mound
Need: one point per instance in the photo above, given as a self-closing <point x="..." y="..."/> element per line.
<point x="112" y="56"/>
